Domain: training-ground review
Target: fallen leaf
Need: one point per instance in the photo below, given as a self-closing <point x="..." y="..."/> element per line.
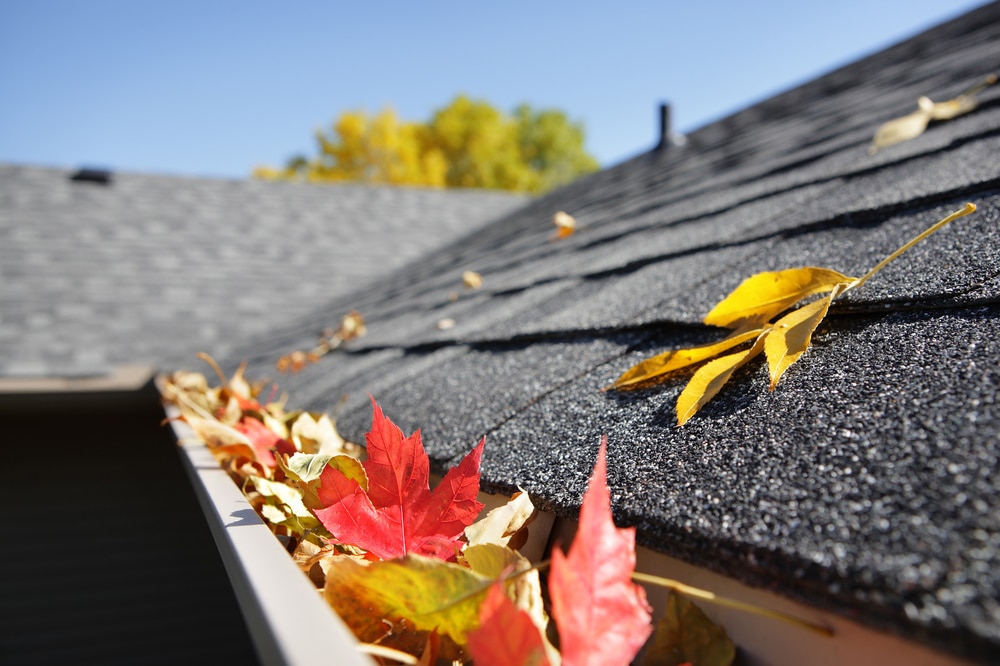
<point x="685" y="635"/>
<point x="913" y="124"/>
<point x="602" y="616"/>
<point x="900" y="129"/>
<point x="502" y="523"/>
<point x="668" y="362"/>
<point x="352" y="325"/>
<point x="305" y="472"/>
<point x="523" y="584"/>
<point x="264" y="440"/>
<point x="791" y="335"/>
<point x="427" y="593"/>
<point x="316" y="435"/>
<point x="709" y="379"/>
<point x="472" y="280"/>
<point x="283" y="506"/>
<point x="565" y="224"/>
<point x="398" y="513"/>
<point x="506" y="635"/>
<point x="761" y="297"/>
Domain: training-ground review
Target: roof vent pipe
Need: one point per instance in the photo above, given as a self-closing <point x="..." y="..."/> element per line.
<point x="667" y="137"/>
<point x="92" y="175"/>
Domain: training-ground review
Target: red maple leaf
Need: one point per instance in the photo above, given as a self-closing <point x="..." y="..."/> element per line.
<point x="602" y="616"/>
<point x="506" y="634"/>
<point x="399" y="514"/>
<point x="265" y="441"/>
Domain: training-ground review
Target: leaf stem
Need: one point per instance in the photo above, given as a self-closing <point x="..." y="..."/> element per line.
<point x="387" y="653"/>
<point x="504" y="578"/>
<point x="979" y="87"/>
<point x="215" y="366"/>
<point x="711" y="597"/>
<point x="969" y="208"/>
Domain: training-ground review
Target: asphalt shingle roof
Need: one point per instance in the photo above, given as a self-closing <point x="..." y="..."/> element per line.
<point x="152" y="268"/>
<point x="867" y="482"/>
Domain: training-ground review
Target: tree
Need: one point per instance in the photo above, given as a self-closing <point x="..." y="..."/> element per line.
<point x="468" y="143"/>
<point x="552" y="147"/>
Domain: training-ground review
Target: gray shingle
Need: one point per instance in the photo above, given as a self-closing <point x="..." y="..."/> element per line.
<point x="156" y="268"/>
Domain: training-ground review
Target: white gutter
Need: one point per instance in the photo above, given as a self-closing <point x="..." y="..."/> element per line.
<point x="289" y="621"/>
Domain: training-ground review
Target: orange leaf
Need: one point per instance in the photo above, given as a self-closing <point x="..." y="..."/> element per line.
<point x="506" y="634"/>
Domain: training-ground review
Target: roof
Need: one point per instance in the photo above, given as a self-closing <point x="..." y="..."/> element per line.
<point x="152" y="269"/>
<point x="866" y="483"/>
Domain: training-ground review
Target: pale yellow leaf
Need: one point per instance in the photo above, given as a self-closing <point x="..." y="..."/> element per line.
<point x="305" y="466"/>
<point x="503" y="522"/>
<point x="791" y="336"/>
<point x="215" y="434"/>
<point x="661" y="365"/>
<point x="232" y="413"/>
<point x="316" y="435"/>
<point x="472" y="280"/>
<point x="709" y="380"/>
<point x="952" y="108"/>
<point x="565" y="224"/>
<point x="913" y="125"/>
<point x="238" y="385"/>
<point x="763" y="296"/>
<point x="275" y="425"/>
<point x="899" y="130"/>
<point x="283" y="505"/>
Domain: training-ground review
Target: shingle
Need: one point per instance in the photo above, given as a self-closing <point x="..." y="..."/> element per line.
<point x="195" y="264"/>
<point x="865" y="483"/>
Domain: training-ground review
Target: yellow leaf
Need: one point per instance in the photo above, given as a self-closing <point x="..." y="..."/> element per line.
<point x="685" y="635"/>
<point x="761" y="297"/>
<point x="427" y="593"/>
<point x="710" y="379"/>
<point x="659" y="366"/>
<point x="791" y="336"/>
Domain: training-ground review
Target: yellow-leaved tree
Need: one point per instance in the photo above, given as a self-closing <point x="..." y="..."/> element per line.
<point x="468" y="143"/>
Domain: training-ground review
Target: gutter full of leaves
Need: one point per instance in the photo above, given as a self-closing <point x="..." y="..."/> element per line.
<point x="414" y="572"/>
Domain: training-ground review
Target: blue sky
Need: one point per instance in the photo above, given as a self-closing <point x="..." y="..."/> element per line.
<point x="216" y="87"/>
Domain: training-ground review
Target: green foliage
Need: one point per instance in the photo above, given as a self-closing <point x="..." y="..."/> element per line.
<point x="468" y="143"/>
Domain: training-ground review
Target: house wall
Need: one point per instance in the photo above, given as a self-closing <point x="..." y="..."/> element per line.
<point x="106" y="556"/>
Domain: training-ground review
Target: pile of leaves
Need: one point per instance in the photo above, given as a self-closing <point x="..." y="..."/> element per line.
<point x="415" y="572"/>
